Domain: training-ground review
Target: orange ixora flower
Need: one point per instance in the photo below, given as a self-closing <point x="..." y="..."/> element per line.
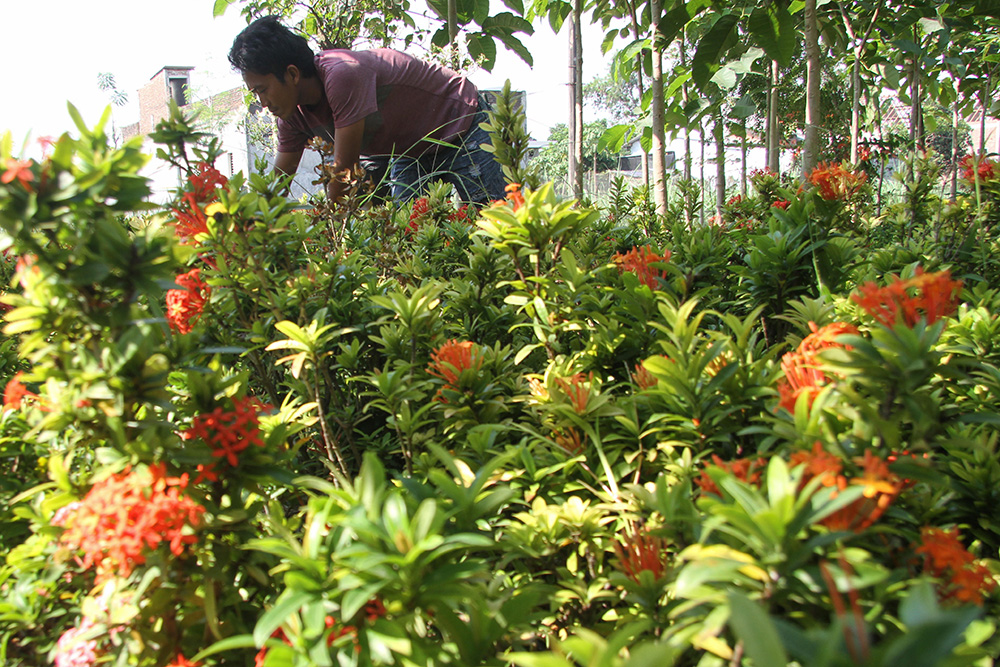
<point x="125" y="516"/>
<point x="879" y="488"/>
<point x="642" y="551"/>
<point x="514" y="195"/>
<point x="19" y="170"/>
<point x="569" y="439"/>
<point x="801" y="367"/>
<point x="190" y="213"/>
<point x="930" y="296"/>
<point x="185" y="305"/>
<point x="638" y="261"/>
<point x="946" y="558"/>
<point x="15" y="393"/>
<point x="643" y="378"/>
<point x="835" y="182"/>
<point x="818" y="463"/>
<point x="181" y="661"/>
<point x="577" y="389"/>
<point x="745" y="470"/>
<point x="451" y="359"/>
<point x="228" y="432"/>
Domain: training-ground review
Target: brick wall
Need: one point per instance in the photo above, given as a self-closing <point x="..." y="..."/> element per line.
<point x="154" y="97"/>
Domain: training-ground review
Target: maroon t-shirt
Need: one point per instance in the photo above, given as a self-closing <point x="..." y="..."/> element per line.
<point x="401" y="99"/>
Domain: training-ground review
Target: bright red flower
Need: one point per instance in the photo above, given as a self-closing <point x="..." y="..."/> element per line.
<point x="638" y="261"/>
<point x="185" y="305"/>
<point x="15" y="392"/>
<point x="205" y="181"/>
<point x="835" y="182"/>
<point x="450" y="359"/>
<point x="181" y="661"/>
<point x="818" y="463"/>
<point x="780" y="203"/>
<point x="228" y="432"/>
<point x="461" y="215"/>
<point x="125" y="516"/>
<point x="643" y="378"/>
<point x="977" y="166"/>
<point x="421" y="209"/>
<point x="19" y="170"/>
<point x="926" y="295"/>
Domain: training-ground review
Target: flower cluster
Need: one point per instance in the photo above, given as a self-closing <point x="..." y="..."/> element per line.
<point x="926" y="295"/>
<point x="74" y="651"/>
<point x="639" y="260"/>
<point x="185" y="305"/>
<point x="946" y="558"/>
<point x="835" y="182"/>
<point x="879" y="486"/>
<point x="449" y="361"/>
<point x="745" y="470"/>
<point x="569" y="439"/>
<point x="19" y="170"/>
<point x="642" y="551"/>
<point x="978" y="167"/>
<point x="421" y="209"/>
<point x="15" y="393"/>
<point x="643" y="378"/>
<point x="801" y="367"/>
<point x="126" y="515"/>
<point x="514" y="195"/>
<point x="577" y="389"/>
<point x="227" y="432"/>
<point x="190" y="214"/>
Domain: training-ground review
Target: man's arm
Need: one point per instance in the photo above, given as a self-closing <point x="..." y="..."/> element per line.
<point x="346" y="152"/>
<point x="287" y="163"/>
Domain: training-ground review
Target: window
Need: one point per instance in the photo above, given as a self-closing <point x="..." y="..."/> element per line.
<point x="178" y="90"/>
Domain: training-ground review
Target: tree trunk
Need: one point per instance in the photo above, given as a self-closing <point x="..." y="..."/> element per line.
<point x="774" y="125"/>
<point x="743" y="162"/>
<point x="720" y="163"/>
<point x="955" y="119"/>
<point x="573" y="164"/>
<point x="453" y="31"/>
<point x="659" y="176"/>
<point x="701" y="176"/>
<point x="684" y="99"/>
<point x="638" y="79"/>
<point x="810" y="148"/>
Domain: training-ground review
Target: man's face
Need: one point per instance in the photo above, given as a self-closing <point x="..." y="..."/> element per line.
<point x="279" y="97"/>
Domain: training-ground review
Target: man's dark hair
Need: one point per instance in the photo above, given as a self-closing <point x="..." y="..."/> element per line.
<point x="267" y="47"/>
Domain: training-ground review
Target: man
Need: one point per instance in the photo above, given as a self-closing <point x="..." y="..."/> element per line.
<point x="376" y="107"/>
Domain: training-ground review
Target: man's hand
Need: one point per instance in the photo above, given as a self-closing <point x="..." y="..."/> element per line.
<point x="346" y="152"/>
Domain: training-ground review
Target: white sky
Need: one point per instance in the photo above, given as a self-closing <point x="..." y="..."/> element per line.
<point x="56" y="48"/>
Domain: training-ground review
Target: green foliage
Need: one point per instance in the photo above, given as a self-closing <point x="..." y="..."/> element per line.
<point x="535" y="434"/>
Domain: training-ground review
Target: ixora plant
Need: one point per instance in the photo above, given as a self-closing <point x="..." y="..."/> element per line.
<point x="239" y="430"/>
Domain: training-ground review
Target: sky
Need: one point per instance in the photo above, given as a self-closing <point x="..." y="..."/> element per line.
<point x="57" y="48"/>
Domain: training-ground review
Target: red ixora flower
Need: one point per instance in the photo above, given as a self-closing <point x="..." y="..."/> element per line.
<point x="946" y="558"/>
<point x="780" y="203"/>
<point x="926" y="295"/>
<point x="449" y="360"/>
<point x="228" y="432"/>
<point x="181" y="661"/>
<point x="125" y="516"/>
<point x="421" y="209"/>
<point x="15" y="392"/>
<point x="801" y="367"/>
<point x="638" y="261"/>
<point x="978" y="166"/>
<point x="19" y="170"/>
<point x="185" y="305"/>
<point x="835" y="182"/>
<point x="879" y="488"/>
<point x="190" y="213"/>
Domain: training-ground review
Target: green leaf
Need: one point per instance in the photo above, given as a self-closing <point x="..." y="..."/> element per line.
<point x="773" y="29"/>
<point x="756" y="630"/>
<point x="711" y="49"/>
<point x="273" y="618"/>
<point x="227" y="644"/>
<point x="220" y="7"/>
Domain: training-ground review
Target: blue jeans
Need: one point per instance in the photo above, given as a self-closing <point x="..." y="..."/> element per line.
<point x="476" y="175"/>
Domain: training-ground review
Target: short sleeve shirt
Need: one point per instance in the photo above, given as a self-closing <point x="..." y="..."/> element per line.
<point x="402" y="100"/>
